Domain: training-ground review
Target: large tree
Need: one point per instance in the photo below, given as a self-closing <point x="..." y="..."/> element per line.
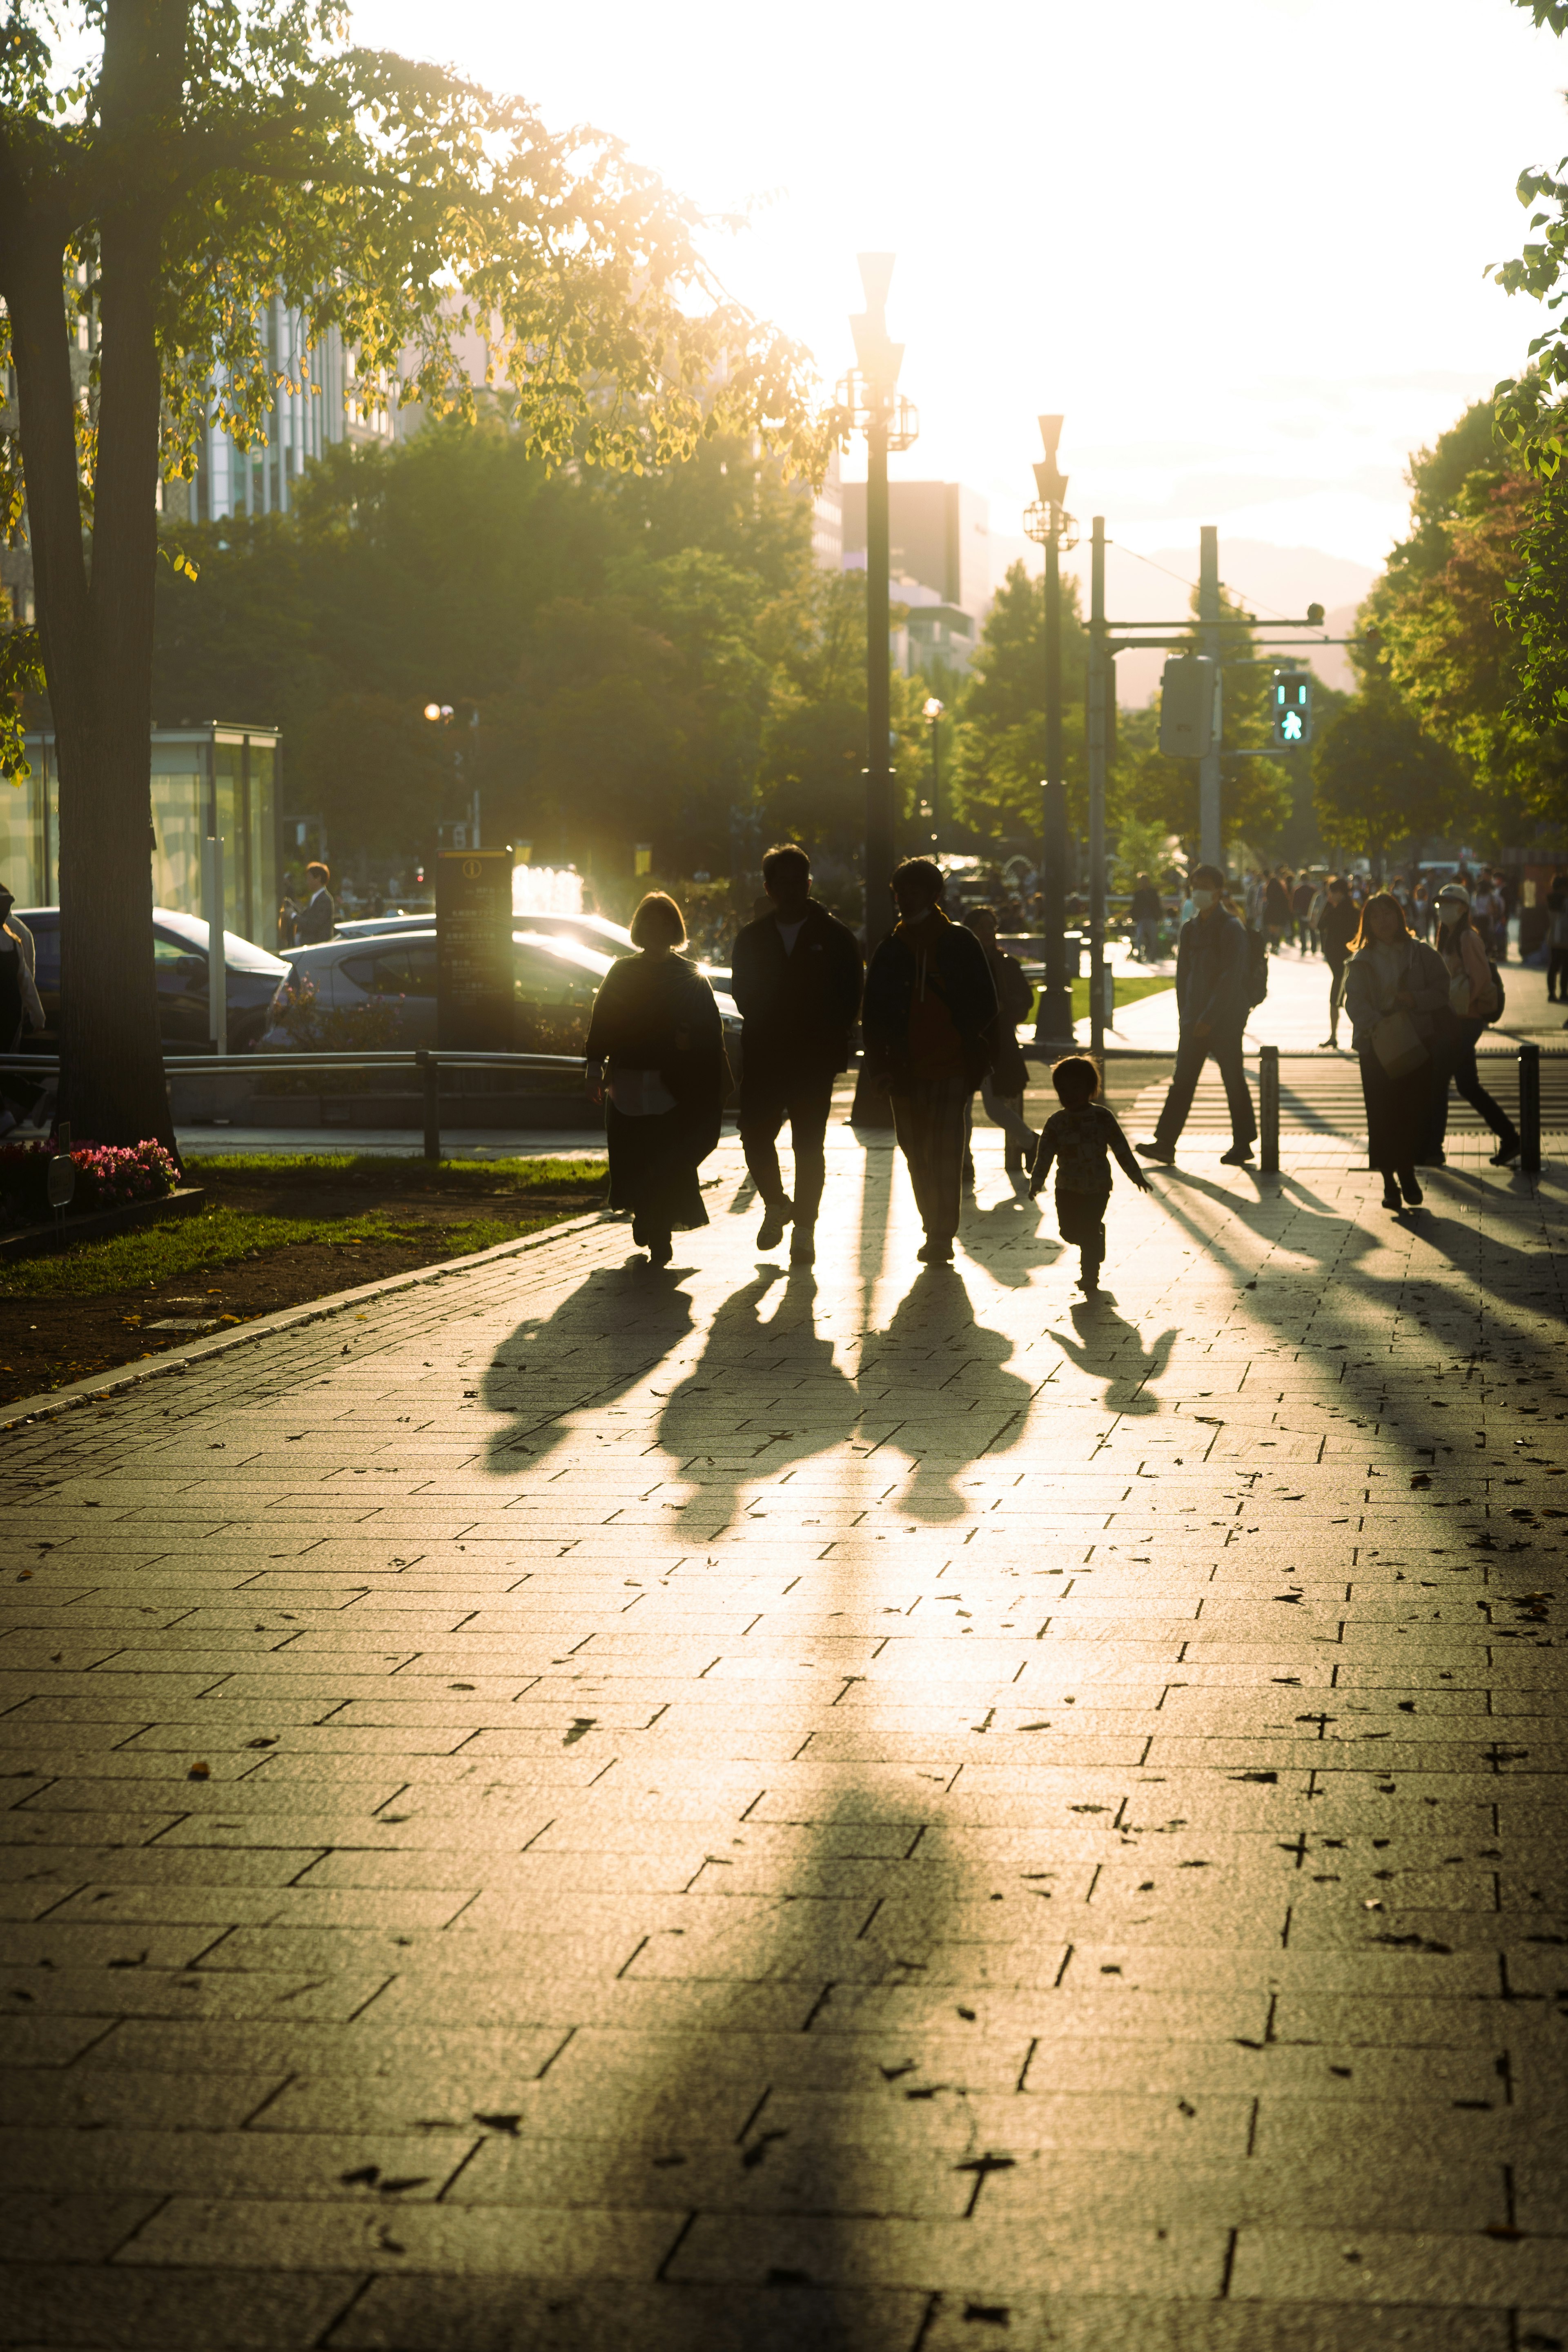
<point x="206" y="157"/>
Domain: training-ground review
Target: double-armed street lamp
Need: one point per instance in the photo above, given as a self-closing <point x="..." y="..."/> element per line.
<point x="1050" y="527"/>
<point x="930" y="711"/>
<point x="869" y="401"/>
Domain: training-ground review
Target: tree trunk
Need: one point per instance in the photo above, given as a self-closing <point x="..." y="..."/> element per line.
<point x="97" y="630"/>
<point x="110" y="1042"/>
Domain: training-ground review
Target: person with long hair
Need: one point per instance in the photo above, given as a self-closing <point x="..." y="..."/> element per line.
<point x="656" y="1049"/>
<point x="1472" y="1002"/>
<point x="1396" y="988"/>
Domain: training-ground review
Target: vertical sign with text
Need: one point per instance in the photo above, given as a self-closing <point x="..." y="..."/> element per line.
<point x="473" y="947"/>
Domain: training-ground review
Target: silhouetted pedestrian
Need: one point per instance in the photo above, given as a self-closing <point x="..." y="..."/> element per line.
<point x="1003" y="1084"/>
<point x="1396" y="988"/>
<point x="1077" y="1139"/>
<point x="1337" y="926"/>
<point x="656" y="1047"/>
<point x="1473" y="1001"/>
<point x="795" y="974"/>
<point x="1213" y="1000"/>
<point x="930" y="1003"/>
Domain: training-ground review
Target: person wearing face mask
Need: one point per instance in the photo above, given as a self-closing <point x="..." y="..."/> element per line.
<point x="927" y="1024"/>
<point x="1213" y="1000"/>
<point x="20" y="998"/>
<point x="1396" y="987"/>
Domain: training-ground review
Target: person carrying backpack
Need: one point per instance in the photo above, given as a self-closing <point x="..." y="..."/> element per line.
<point x="1214" y="992"/>
<point x="1475" y="999"/>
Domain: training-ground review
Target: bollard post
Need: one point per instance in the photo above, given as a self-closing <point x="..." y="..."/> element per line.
<point x="1530" y="1109"/>
<point x="1269" y="1109"/>
<point x="430" y="1071"/>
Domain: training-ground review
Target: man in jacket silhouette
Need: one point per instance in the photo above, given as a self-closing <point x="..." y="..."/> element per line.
<point x="796" y="975"/>
<point x="1213" y="1000"/>
<point x="929" y="1008"/>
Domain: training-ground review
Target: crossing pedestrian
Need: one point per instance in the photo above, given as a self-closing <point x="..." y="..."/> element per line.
<point x="1395" y="987"/>
<point x="1145" y="909"/>
<point x="1078" y="1139"/>
<point x="1337" y="926"/>
<point x="1472" y="1002"/>
<point x="1277" y="906"/>
<point x="930" y="1003"/>
<point x="656" y="1048"/>
<point x="1213" y="1000"/>
<point x="795" y="974"/>
<point x="1557" y="940"/>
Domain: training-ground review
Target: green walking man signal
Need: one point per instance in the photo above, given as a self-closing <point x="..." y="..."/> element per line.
<point x="1292" y="706"/>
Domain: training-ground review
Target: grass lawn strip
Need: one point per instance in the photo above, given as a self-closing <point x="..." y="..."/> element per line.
<point x="275" y="1235"/>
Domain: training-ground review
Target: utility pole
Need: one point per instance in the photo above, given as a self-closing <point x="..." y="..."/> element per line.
<point x="1048" y="526"/>
<point x="1100" y="660"/>
<point x="1211" y="843"/>
<point x="868" y="401"/>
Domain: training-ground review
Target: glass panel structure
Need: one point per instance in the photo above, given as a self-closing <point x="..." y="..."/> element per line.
<point x="217" y="778"/>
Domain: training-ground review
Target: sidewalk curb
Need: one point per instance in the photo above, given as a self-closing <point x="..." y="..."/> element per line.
<point x="33" y="1409"/>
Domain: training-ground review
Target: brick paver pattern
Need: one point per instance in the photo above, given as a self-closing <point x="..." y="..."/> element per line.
<point x="868" y="1807"/>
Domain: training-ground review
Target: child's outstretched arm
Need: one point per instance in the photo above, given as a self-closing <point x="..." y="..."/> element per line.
<point x="1123" y="1152"/>
<point x="1045" y="1152"/>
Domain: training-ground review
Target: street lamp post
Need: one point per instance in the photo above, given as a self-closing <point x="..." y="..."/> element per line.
<point x="1053" y="529"/>
<point x="930" y="711"/>
<point x="441" y="714"/>
<point x="869" y="402"/>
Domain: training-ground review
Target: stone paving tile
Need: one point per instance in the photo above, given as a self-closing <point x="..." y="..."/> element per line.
<point x="876" y="1809"/>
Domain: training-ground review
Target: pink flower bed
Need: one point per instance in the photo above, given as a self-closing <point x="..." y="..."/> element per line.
<point x="108" y="1175"/>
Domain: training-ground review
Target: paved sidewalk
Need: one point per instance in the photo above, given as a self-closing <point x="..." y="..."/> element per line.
<point x="741" y="1810"/>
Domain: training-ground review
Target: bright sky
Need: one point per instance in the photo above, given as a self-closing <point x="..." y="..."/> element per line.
<point x="1238" y="243"/>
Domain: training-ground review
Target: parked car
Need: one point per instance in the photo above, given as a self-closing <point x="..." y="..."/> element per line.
<point x="180" y="967"/>
<point x="588" y="930"/>
<point x="554" y="982"/>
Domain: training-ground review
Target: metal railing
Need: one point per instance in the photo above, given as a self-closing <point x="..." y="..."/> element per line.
<point x="430" y="1061"/>
<point x="426" y="1061"/>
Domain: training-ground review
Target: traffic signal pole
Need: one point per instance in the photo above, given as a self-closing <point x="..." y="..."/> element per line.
<point x="1099" y="671"/>
<point x="1210" y="825"/>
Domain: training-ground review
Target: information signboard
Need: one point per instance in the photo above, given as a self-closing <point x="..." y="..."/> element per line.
<point x="473" y="949"/>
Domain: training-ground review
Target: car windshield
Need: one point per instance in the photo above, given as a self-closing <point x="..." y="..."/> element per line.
<point x="242" y="955"/>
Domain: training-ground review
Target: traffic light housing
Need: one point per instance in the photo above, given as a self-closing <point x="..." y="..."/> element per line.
<point x="1292" y="707"/>
<point x="1189" y="716"/>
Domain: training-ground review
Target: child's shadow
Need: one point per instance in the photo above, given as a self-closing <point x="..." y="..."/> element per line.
<point x="1111" y="1349"/>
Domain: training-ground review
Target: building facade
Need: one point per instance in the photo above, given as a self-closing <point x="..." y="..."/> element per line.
<point x="939" y="544"/>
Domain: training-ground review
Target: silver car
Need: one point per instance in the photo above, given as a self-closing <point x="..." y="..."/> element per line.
<point x="554" y="982"/>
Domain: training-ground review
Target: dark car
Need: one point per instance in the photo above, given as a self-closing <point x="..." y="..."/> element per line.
<point x="180" y="965"/>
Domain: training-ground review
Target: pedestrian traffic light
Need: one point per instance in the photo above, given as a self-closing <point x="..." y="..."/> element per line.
<point x="1189" y="691"/>
<point x="1292" y="706"/>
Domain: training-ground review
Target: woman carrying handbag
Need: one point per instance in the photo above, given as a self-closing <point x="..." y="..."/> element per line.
<point x="1473" y="1001"/>
<point x="1395" y="989"/>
